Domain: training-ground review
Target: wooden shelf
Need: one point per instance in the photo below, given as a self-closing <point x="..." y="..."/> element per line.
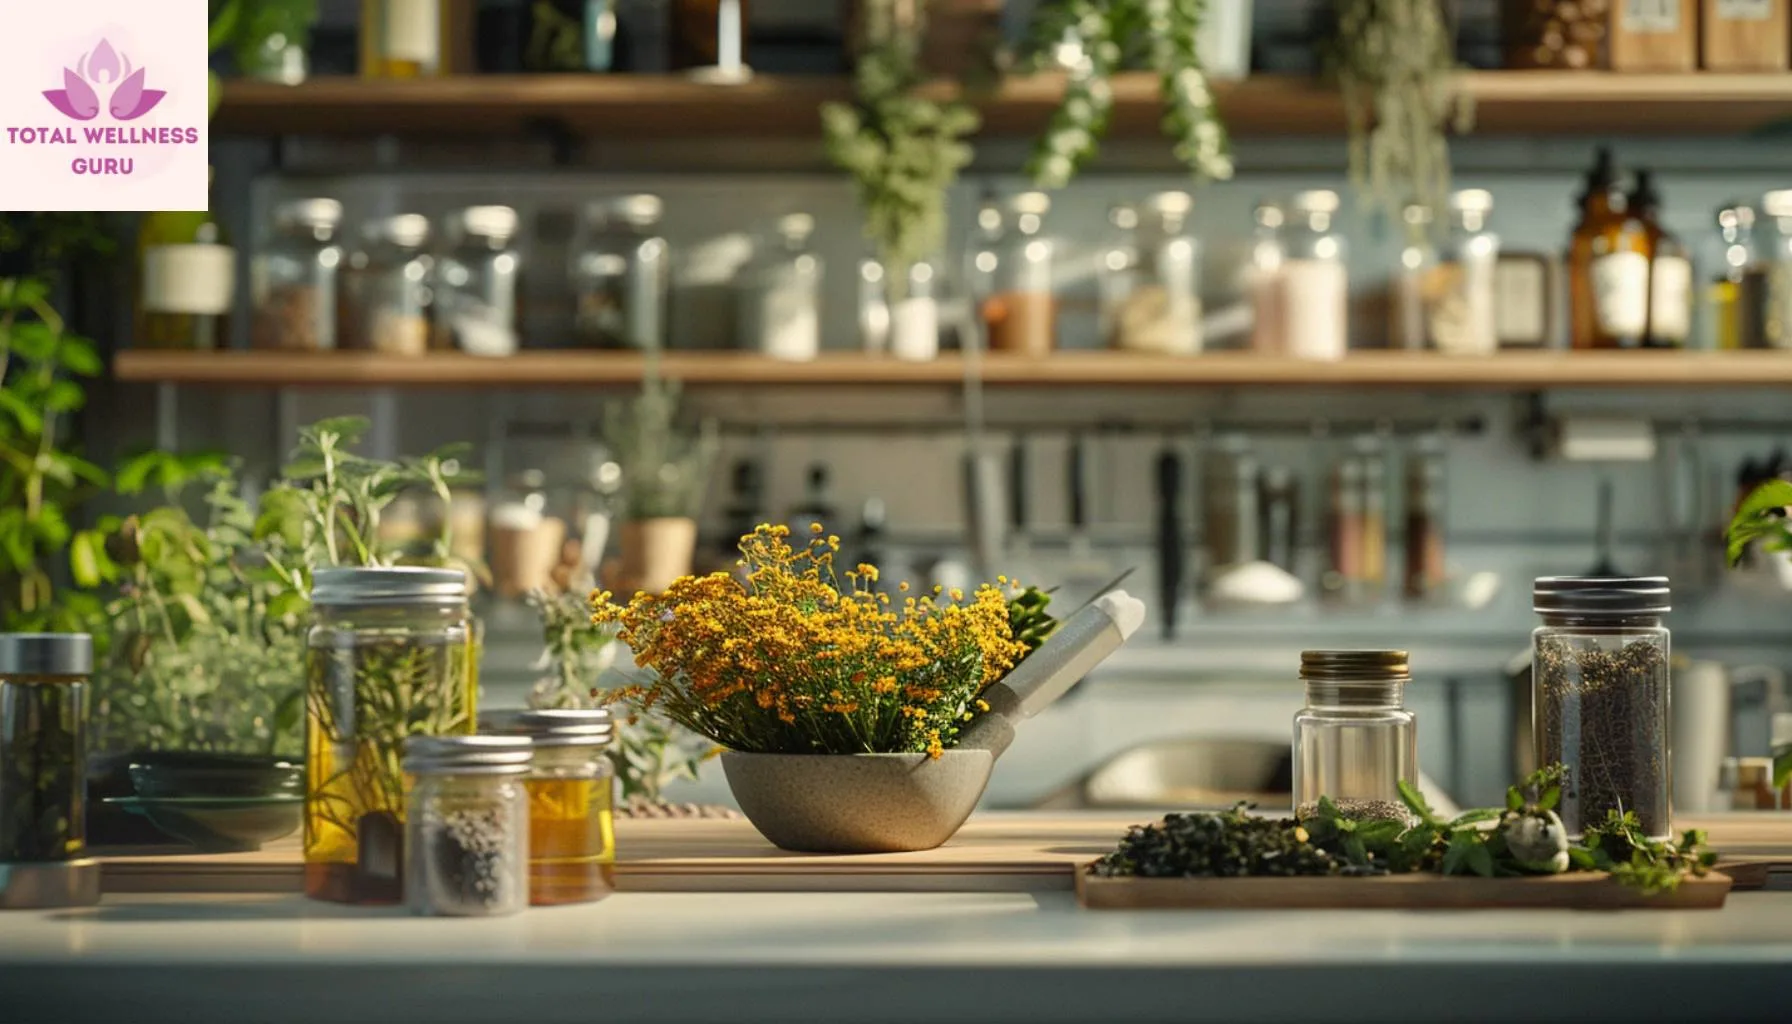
<point x="653" y="106"/>
<point x="1507" y="371"/>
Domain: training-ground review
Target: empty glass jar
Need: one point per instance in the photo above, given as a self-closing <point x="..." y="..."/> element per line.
<point x="621" y="275"/>
<point x="1599" y="678"/>
<point x="467" y="831"/>
<point x="293" y="278"/>
<point x="387" y="291"/>
<point x="572" y="799"/>
<point x="1355" y="741"/>
<point x="476" y="283"/>
<point x="780" y="295"/>
<point x="43" y="766"/>
<point x="1155" y="306"/>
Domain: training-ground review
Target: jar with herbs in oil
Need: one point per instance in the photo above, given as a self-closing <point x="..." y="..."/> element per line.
<point x="572" y="797"/>
<point x="393" y="652"/>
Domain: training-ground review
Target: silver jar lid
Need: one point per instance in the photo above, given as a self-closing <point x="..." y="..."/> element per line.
<point x="553" y="727"/>
<point x="1601" y="596"/>
<point x="497" y="223"/>
<point x="309" y="213"/>
<point x="405" y="230"/>
<point x="46" y="654"/>
<point x="389" y="586"/>
<point x="474" y="755"/>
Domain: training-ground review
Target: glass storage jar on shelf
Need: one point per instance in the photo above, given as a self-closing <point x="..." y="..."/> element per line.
<point x="1462" y="317"/>
<point x="1776" y="253"/>
<point x="621" y="277"/>
<point x="1416" y="279"/>
<point x="1157" y="305"/>
<point x="1739" y="286"/>
<point x="780" y="295"/>
<point x="467" y="825"/>
<point x="293" y="278"/>
<point x="476" y="283"/>
<point x="386" y="289"/>
<point x="1012" y="277"/>
<point x="1599" y="675"/>
<point x="403" y="38"/>
<point x="186" y="282"/>
<point x="1314" y="307"/>
<point x="392" y="652"/>
<point x="1117" y="265"/>
<point x="1269" y="251"/>
<point x="43" y="765"/>
<point x="572" y="798"/>
<point x="1355" y="741"/>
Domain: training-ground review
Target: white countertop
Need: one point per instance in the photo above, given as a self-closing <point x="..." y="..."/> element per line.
<point x="913" y="958"/>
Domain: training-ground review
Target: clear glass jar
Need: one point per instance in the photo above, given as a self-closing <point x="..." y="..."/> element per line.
<point x="1117" y="266"/>
<point x="467" y="825"/>
<point x="1014" y="267"/>
<point x="780" y="295"/>
<point x="387" y="290"/>
<point x="1738" y="289"/>
<point x="1315" y="284"/>
<point x="572" y="800"/>
<point x="915" y="314"/>
<point x="1355" y="741"/>
<point x="621" y="274"/>
<point x="1776" y="252"/>
<point x="1269" y="250"/>
<point x="392" y="652"/>
<point x="874" y="307"/>
<point x="1462" y="317"/>
<point x="293" y="278"/>
<point x="1415" y="280"/>
<point x="1599" y="678"/>
<point x="1356" y="571"/>
<point x="1157" y="308"/>
<point x="476" y="283"/>
<point x="43" y="766"/>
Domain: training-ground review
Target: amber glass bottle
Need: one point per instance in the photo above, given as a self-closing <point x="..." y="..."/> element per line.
<point x="1608" y="266"/>
<point x="1670" y="271"/>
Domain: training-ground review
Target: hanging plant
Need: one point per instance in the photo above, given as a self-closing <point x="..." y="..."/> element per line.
<point x="1091" y="40"/>
<point x="1395" y="63"/>
<point x="903" y="151"/>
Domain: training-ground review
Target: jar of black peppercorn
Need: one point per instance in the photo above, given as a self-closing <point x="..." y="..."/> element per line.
<point x="1355" y="741"/>
<point x="467" y="818"/>
<point x="1599" y="671"/>
<point x="43" y="757"/>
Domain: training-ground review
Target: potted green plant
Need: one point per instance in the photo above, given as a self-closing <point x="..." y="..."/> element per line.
<point x="665" y="470"/>
<point x="268" y="39"/>
<point x="1761" y="519"/>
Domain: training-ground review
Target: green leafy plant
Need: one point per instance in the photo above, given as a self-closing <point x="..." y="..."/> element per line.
<point x="1028" y="621"/>
<point x="246" y="28"/>
<point x="1761" y="519"/>
<point x="1618" y="845"/>
<point x="665" y="468"/>
<point x="1091" y="40"/>
<point x="1395" y="62"/>
<point x="902" y="149"/>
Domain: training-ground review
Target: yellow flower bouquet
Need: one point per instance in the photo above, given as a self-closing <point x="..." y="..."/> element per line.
<point x="792" y="657"/>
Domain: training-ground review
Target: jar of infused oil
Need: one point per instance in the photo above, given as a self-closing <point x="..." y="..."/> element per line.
<point x="1355" y="741"/>
<point x="572" y="839"/>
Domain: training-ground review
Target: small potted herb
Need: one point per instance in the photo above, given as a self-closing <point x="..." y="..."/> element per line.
<point x="665" y="470"/>
<point x="1762" y="519"/>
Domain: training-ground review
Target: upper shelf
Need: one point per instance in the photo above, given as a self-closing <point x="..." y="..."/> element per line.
<point x="1507" y="371"/>
<point x="1507" y="102"/>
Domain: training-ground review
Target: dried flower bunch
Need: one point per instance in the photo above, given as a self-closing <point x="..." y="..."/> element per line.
<point x="790" y="661"/>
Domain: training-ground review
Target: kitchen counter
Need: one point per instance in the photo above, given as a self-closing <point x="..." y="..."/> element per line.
<point x="876" y="957"/>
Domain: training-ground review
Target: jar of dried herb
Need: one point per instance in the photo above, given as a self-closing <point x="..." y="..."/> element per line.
<point x="1355" y="741"/>
<point x="467" y="831"/>
<point x="392" y="653"/>
<point x="43" y="763"/>
<point x="1599" y="675"/>
<point x="572" y="798"/>
<point x="293" y="278"/>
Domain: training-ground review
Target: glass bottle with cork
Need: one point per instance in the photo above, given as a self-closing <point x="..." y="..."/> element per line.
<point x="1670" y="271"/>
<point x="1355" y="741"/>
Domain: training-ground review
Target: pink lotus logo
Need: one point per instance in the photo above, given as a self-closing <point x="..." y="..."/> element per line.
<point x="104" y="66"/>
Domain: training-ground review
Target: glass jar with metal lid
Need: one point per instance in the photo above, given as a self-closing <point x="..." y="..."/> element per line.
<point x="467" y="825"/>
<point x="43" y="766"/>
<point x="621" y="274"/>
<point x="1315" y="283"/>
<point x="1599" y="679"/>
<point x="293" y="278"/>
<point x="780" y="294"/>
<point x="1161" y="310"/>
<point x="387" y="291"/>
<point x="392" y="652"/>
<point x="1013" y="270"/>
<point x="572" y="796"/>
<point x="476" y="283"/>
<point x="1355" y="741"/>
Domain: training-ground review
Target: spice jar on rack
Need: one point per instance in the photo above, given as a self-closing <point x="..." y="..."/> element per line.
<point x="387" y="289"/>
<point x="1014" y="268"/>
<point x="43" y="787"/>
<point x="621" y="275"/>
<point x="1425" y="574"/>
<point x="780" y="295"/>
<point x="293" y="278"/>
<point x="476" y="283"/>
<point x="1355" y="741"/>
<point x="1314" y="312"/>
<point x="1358" y="524"/>
<point x="1156" y="298"/>
<point x="1599" y="671"/>
<point x="467" y="825"/>
<point x="572" y="796"/>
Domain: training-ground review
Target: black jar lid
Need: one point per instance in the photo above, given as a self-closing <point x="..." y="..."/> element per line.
<point x="45" y="654"/>
<point x="1601" y="595"/>
<point x="1355" y="666"/>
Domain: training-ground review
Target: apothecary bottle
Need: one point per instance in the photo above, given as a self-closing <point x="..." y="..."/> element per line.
<point x="403" y="38"/>
<point x="43" y="787"/>
<point x="467" y="825"/>
<point x="1355" y="741"/>
<point x="780" y="295"/>
<point x="293" y="278"/>
<point x="388" y="288"/>
<point x="1016" y="302"/>
<point x="1315" y="283"/>
<point x="621" y="274"/>
<point x="1599" y="678"/>
<point x="572" y="798"/>
<point x="186" y="282"/>
<point x="1158" y="307"/>
<point x="392" y="652"/>
<point x="476" y="282"/>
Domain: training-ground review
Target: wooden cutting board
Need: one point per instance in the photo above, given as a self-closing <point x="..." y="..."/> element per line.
<point x="998" y="852"/>
<point x="1393" y="892"/>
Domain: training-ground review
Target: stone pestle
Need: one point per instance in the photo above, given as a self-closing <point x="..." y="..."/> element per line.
<point x="1080" y="643"/>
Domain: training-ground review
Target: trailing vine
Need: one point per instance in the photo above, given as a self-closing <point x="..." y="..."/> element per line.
<point x="1091" y="40"/>
<point x="903" y="150"/>
<point x="1395" y="63"/>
